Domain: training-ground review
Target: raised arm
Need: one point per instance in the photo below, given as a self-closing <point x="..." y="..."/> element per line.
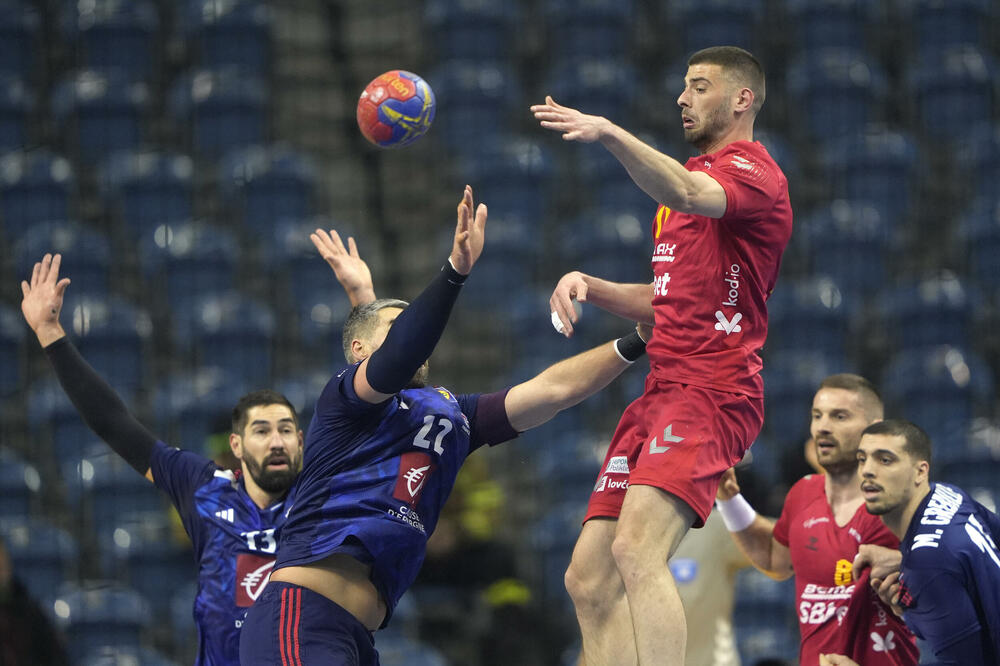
<point x="633" y="302"/>
<point x="98" y="404"/>
<point x="660" y="176"/>
<point x="351" y="270"/>
<point x="570" y="381"/>
<point x="752" y="532"/>
<point x="415" y="332"/>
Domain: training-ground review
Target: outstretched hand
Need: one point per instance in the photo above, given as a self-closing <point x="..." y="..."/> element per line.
<point x="43" y="299"/>
<point x="571" y="287"/>
<point x="469" y="234"/>
<point x="351" y="270"/>
<point x="836" y="660"/>
<point x="574" y="125"/>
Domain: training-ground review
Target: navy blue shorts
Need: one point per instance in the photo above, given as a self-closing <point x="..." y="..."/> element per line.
<point x="290" y="625"/>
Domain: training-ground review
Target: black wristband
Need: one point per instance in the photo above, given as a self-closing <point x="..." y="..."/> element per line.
<point x="631" y="347"/>
<point x="451" y="274"/>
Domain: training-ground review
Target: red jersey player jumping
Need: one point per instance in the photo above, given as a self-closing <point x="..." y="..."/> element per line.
<point x="723" y="222"/>
<point x="822" y="524"/>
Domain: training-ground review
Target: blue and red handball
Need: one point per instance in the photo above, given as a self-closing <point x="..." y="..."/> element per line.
<point x="395" y="109"/>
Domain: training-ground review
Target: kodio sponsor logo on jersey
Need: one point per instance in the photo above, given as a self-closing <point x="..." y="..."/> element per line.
<point x="252" y="574"/>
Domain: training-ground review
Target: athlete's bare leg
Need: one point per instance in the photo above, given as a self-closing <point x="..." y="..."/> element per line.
<point x="651" y="525"/>
<point x="598" y="595"/>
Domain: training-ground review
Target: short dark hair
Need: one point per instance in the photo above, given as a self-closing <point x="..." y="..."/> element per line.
<point x="870" y="398"/>
<point x="739" y="66"/>
<point x="258" y="399"/>
<point x="917" y="443"/>
<point x="362" y="321"/>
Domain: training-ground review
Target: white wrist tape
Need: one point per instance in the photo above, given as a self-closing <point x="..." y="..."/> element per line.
<point x="736" y="513"/>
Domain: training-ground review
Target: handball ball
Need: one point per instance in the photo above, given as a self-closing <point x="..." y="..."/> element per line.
<point x="395" y="109"/>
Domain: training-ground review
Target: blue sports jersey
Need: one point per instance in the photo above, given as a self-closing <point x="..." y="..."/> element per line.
<point x="234" y="543"/>
<point x="375" y="476"/>
<point x="950" y="577"/>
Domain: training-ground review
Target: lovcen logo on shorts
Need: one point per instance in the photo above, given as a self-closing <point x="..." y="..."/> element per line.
<point x="252" y="574"/>
<point x="414" y="469"/>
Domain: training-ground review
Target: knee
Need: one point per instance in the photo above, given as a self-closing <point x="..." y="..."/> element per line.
<point x="625" y="550"/>
<point x="588" y="591"/>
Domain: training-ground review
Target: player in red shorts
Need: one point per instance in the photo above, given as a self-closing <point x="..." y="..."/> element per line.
<point x="822" y="524"/>
<point x="723" y="222"/>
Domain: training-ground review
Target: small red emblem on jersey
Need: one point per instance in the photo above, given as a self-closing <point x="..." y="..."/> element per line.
<point x="414" y="469"/>
<point x="252" y="574"/>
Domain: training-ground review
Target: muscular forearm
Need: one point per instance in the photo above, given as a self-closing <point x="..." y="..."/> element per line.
<point x="757" y="543"/>
<point x="633" y="302"/>
<point x="561" y="386"/>
<point x="660" y="176"/>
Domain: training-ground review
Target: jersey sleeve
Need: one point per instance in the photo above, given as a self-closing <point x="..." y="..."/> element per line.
<point x="488" y="419"/>
<point x="939" y="610"/>
<point x="752" y="185"/>
<point x="789" y="509"/>
<point x="179" y="474"/>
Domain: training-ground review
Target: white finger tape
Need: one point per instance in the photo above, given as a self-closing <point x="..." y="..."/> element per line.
<point x="557" y="323"/>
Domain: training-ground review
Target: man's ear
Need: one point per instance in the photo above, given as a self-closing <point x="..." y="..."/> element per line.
<point x="744" y="99"/>
<point x="358" y="350"/>
<point x="236" y="445"/>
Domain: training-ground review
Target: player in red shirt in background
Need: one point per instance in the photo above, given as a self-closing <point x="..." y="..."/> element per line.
<point x="723" y="222"/>
<point x="822" y="524"/>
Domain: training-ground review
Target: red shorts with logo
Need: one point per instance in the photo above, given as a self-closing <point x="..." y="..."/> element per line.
<point x="680" y="438"/>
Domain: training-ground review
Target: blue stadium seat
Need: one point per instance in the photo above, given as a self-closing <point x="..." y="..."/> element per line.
<point x="940" y="389"/>
<point x="571" y="464"/>
<point x="235" y="333"/>
<point x="51" y="416"/>
<point x="17" y="102"/>
<point x="13" y="339"/>
<point x="700" y="23"/>
<point x="612" y="246"/>
<point x="322" y="311"/>
<point x="101" y="112"/>
<point x="877" y="165"/>
<point x="235" y="33"/>
<point x="43" y="555"/>
<point x="304" y="389"/>
<point x="473" y="29"/>
<point x="20" y="33"/>
<point x="20" y="484"/>
<point x="86" y="255"/>
<point x="933" y="24"/>
<point x="140" y="549"/>
<point x="147" y="189"/>
<point x="191" y="259"/>
<point x="808" y="314"/>
<point x="553" y="537"/>
<point x="183" y="628"/>
<point x="263" y="185"/>
<point x="764" y="617"/>
<point x="480" y="97"/>
<point x="781" y="150"/>
<point x="95" y="614"/>
<point x="119" y="34"/>
<point x="610" y="188"/>
<point x="594" y="29"/>
<point x="112" y="488"/>
<point x="847" y="241"/>
<point x="35" y="186"/>
<point x="960" y="77"/>
<point x="934" y="311"/>
<point x="112" y="335"/>
<point x="190" y="406"/>
<point x="977" y="153"/>
<point x="837" y="90"/>
<point x="222" y="109"/>
<point x="602" y="87"/>
<point x="979" y="235"/>
<point x="790" y="380"/>
<point x="977" y="475"/>
<point x="819" y="24"/>
<point x="515" y="175"/>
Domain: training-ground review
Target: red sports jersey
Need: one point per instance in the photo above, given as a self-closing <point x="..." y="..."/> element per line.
<point x="838" y="614"/>
<point x="712" y="276"/>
